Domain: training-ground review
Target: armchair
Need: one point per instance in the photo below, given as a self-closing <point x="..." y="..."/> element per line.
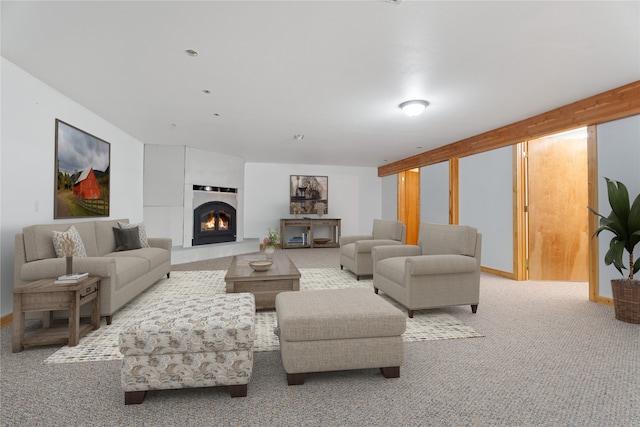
<point x="443" y="269"/>
<point x="355" y="250"/>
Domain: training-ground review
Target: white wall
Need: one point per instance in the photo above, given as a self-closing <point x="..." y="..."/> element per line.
<point x="29" y="110"/>
<point x="618" y="159"/>
<point x="486" y="202"/>
<point x="389" y="197"/>
<point x="434" y="193"/>
<point x="354" y="196"/>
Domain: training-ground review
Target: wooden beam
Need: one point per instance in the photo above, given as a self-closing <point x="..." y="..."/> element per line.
<point x="604" y="107"/>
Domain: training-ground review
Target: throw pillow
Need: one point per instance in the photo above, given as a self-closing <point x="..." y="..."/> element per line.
<point x="144" y="243"/>
<point x="126" y="238"/>
<point x="68" y="243"/>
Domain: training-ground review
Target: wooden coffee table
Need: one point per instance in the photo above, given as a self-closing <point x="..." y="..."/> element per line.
<point x="264" y="285"/>
<point x="44" y="295"/>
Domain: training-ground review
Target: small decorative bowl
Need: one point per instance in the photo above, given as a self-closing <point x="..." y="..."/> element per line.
<point x="321" y="241"/>
<point x="261" y="265"/>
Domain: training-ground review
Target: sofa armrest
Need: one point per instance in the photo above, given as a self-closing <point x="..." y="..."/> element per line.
<point x="391" y="251"/>
<point x="365" y="246"/>
<point x="440" y="264"/>
<point x="345" y="240"/>
<point x="55" y="267"/>
<point x="160" y="242"/>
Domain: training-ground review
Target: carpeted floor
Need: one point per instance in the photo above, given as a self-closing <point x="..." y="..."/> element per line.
<point x="549" y="358"/>
<point x="102" y="344"/>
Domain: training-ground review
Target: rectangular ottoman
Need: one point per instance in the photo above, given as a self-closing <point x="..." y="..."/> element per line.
<point x="194" y="342"/>
<point x="338" y="329"/>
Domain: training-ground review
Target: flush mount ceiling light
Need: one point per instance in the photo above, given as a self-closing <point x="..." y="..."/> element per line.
<point x="414" y="107"/>
<point x="298" y="137"/>
<point x="191" y="52"/>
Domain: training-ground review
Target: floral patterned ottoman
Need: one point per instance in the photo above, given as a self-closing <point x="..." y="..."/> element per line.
<point x="197" y="342"/>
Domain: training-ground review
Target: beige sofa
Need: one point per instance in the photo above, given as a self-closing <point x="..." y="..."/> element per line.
<point x="125" y="274"/>
<point x="443" y="269"/>
<point x="355" y="250"/>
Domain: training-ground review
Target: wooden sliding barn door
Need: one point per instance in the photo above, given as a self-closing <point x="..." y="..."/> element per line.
<point x="558" y="215"/>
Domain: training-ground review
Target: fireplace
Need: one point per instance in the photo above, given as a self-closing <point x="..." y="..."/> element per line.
<point x="214" y="222"/>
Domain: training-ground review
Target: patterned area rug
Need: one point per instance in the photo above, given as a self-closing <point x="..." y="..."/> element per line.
<point x="102" y="344"/>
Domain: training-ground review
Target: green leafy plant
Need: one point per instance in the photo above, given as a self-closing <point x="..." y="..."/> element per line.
<point x="624" y="223"/>
<point x="272" y="239"/>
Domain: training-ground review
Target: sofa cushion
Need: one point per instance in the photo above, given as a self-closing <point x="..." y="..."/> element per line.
<point x="437" y="239"/>
<point x="155" y="256"/>
<point x="331" y="314"/>
<point x="38" y="240"/>
<point x="387" y="229"/>
<point x="68" y="243"/>
<point x="105" y="239"/>
<point x="144" y="242"/>
<point x="128" y="268"/>
<point x="126" y="238"/>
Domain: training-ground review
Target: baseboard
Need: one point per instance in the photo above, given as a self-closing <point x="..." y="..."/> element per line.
<point x="499" y="273"/>
<point x="6" y="320"/>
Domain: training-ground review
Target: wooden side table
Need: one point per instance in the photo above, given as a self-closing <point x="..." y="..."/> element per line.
<point x="45" y="295"/>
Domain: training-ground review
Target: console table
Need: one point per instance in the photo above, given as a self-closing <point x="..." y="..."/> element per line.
<point x="291" y="230"/>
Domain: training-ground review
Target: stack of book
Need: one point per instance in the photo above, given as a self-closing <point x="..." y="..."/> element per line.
<point x="71" y="278"/>
<point x="298" y="240"/>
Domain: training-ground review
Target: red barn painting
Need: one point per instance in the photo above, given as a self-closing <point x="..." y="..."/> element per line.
<point x="86" y="186"/>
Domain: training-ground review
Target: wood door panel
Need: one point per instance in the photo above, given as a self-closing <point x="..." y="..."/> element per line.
<point x="558" y="217"/>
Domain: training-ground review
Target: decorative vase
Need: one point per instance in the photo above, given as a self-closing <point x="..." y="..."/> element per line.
<point x="268" y="251"/>
<point x="69" y="265"/>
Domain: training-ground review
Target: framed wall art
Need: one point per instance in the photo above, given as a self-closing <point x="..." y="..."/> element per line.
<point x="82" y="166"/>
<point x="308" y="194"/>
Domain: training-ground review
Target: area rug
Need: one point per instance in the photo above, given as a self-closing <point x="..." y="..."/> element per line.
<point x="102" y="344"/>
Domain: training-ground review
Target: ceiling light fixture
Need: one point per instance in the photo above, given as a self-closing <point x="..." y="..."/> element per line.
<point x="206" y="91"/>
<point x="414" y="107"/>
<point x="298" y="137"/>
<point x="191" y="52"/>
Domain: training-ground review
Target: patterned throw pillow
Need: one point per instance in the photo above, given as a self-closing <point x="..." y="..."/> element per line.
<point x="68" y="243"/>
<point x="144" y="243"/>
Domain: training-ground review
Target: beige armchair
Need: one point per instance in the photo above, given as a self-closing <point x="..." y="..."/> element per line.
<point x="355" y="250"/>
<point x="442" y="270"/>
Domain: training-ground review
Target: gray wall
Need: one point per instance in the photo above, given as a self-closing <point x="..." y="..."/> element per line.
<point x="618" y="159"/>
<point x="486" y="202"/>
<point x="434" y="193"/>
<point x="390" y="197"/>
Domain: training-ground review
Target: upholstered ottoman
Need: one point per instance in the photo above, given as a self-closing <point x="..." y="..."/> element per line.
<point x="194" y="342"/>
<point x="338" y="329"/>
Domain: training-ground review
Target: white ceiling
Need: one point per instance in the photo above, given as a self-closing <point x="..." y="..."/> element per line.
<point x="334" y="71"/>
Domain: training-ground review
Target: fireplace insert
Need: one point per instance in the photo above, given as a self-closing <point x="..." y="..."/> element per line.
<point x="214" y="222"/>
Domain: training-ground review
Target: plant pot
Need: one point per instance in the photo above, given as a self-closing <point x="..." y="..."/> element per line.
<point x="626" y="299"/>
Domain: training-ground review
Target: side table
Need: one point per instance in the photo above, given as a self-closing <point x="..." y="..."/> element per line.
<point x="45" y="295"/>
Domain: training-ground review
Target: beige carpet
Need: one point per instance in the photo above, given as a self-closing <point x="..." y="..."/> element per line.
<point x="102" y="344"/>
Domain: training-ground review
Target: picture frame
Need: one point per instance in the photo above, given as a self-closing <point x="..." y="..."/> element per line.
<point x="308" y="194"/>
<point x="82" y="173"/>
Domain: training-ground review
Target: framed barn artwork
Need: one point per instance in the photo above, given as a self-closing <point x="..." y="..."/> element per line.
<point x="82" y="173"/>
<point x="308" y="194"/>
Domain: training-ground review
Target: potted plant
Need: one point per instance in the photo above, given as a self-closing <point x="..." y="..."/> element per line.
<point x="624" y="223"/>
<point x="270" y="242"/>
